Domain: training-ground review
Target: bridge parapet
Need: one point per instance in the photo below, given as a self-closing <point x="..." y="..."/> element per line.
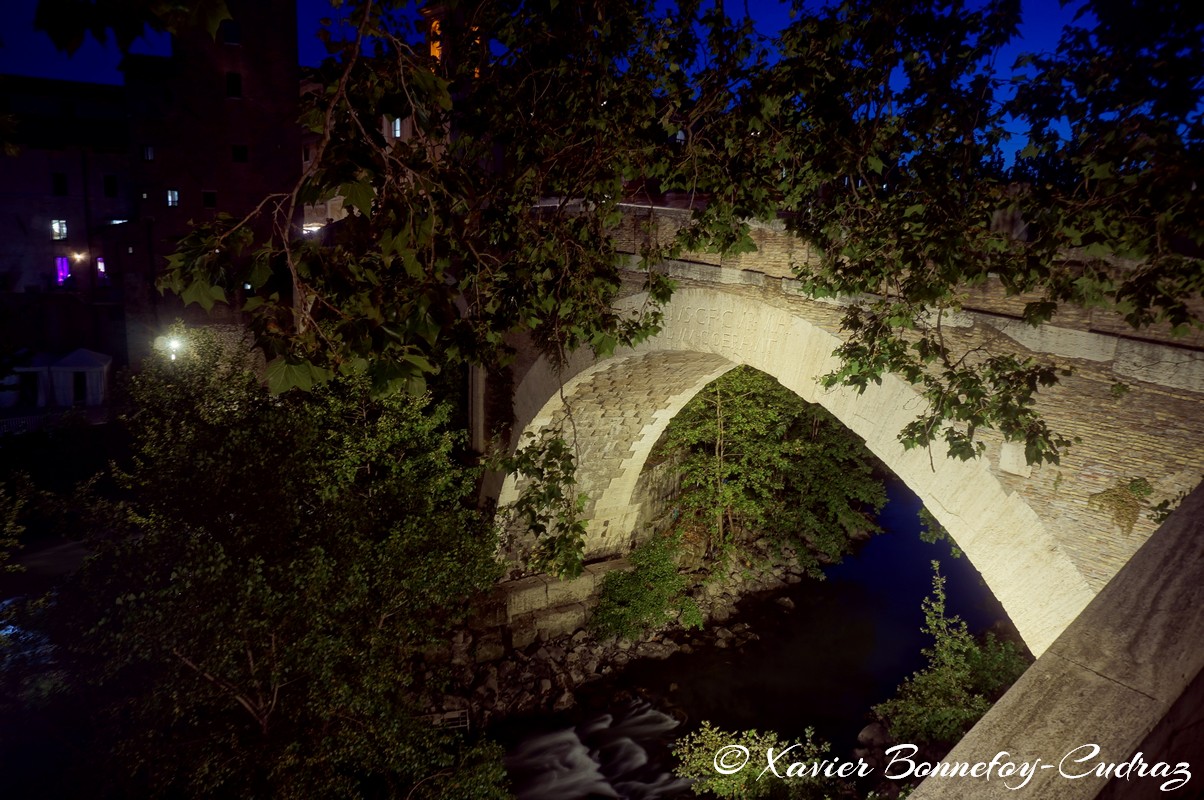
<point x="779" y="254"/>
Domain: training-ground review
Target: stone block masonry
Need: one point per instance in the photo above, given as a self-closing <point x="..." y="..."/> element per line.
<point x="540" y="607"/>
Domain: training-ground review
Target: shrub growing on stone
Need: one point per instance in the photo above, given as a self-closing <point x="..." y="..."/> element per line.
<point x="647" y="596"/>
<point x="963" y="679"/>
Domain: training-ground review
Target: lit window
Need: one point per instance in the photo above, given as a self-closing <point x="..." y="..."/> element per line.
<point x="173" y="197"/>
<point x="233" y="84"/>
<point x="58" y="184"/>
<point x="102" y="277"/>
<point x="62" y="270"/>
<point x="209" y="199"/>
<point x="397" y="129"/>
<point x="148" y="152"/>
<point x="58" y="229"/>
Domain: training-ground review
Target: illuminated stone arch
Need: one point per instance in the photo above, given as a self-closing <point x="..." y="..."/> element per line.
<point x="621" y="405"/>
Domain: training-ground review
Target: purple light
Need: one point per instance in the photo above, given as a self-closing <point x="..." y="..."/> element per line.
<point x="62" y="269"/>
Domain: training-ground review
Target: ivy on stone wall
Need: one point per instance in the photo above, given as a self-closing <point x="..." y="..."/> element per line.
<point x="548" y="506"/>
<point x="1125" y="501"/>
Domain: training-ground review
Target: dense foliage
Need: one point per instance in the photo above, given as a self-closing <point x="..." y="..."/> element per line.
<point x="491" y="216"/>
<point x="756" y="463"/>
<point x="964" y="677"/>
<point x="759" y="461"/>
<point x="12" y="502"/>
<point x="548" y="507"/>
<point x="255" y="615"/>
<point x="650" y="594"/>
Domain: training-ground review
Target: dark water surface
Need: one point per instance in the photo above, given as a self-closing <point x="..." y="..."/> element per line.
<point x="844" y="647"/>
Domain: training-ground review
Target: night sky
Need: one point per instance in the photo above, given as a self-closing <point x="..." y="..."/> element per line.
<point x="25" y="51"/>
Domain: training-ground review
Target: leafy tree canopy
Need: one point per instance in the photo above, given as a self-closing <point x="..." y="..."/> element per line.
<point x="757" y="460"/>
<point x="69" y="22"/>
<point x="262" y="590"/>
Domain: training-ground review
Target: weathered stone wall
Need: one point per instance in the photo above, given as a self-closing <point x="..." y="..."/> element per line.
<point x="779" y="254"/>
<point x="616" y="411"/>
<point x="654" y="497"/>
<point x="541" y="607"/>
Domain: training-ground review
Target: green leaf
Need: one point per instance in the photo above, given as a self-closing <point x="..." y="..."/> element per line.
<point x="284" y="374"/>
<point x="203" y="294"/>
<point x="359" y="195"/>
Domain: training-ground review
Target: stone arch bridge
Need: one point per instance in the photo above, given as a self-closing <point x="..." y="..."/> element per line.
<point x="1113" y="606"/>
<point x="1045" y="539"/>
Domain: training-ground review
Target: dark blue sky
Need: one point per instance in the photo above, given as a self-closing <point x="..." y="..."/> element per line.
<point x="24" y="51"/>
<point x="27" y="52"/>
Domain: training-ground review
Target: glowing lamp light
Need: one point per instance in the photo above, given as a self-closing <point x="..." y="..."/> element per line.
<point x="171" y="346"/>
<point x="78" y="257"/>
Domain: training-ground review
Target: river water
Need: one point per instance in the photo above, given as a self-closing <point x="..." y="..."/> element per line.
<point x="845" y="645"/>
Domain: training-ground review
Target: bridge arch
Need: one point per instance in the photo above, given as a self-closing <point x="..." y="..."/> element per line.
<point x="621" y="405"/>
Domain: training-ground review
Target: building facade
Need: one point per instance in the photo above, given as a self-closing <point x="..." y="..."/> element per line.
<point x="107" y="179"/>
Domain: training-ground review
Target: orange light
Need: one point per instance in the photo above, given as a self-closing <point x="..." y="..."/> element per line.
<point x="436" y="43"/>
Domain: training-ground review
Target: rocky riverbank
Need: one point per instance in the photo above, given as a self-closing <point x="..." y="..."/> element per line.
<point x="494" y="679"/>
